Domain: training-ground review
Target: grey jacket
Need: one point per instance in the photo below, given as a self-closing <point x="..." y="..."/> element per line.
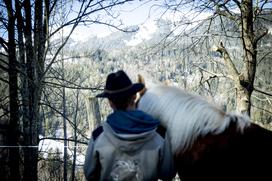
<point x="142" y="157"/>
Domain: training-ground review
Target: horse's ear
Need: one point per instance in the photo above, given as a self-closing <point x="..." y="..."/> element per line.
<point x="141" y="92"/>
<point x="141" y="80"/>
<point x="167" y="82"/>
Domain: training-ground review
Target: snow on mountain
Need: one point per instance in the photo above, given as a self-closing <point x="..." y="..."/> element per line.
<point x="145" y="33"/>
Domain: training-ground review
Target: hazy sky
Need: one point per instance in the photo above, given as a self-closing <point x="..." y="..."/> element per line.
<point x="135" y="13"/>
<point x="141" y="13"/>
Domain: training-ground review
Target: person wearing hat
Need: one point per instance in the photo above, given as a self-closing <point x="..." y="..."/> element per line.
<point x="127" y="146"/>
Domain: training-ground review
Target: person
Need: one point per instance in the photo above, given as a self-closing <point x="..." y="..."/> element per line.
<point x="127" y="146"/>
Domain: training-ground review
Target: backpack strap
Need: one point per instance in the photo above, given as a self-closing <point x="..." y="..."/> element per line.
<point x="97" y="132"/>
<point x="161" y="131"/>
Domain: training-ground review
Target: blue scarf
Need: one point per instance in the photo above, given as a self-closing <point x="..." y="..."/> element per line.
<point x="131" y="122"/>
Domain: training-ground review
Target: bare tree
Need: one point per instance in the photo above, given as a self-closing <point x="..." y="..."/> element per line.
<point x="250" y="17"/>
<point x="27" y="31"/>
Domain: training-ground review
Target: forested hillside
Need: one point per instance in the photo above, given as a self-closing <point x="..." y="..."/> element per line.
<point x="181" y="62"/>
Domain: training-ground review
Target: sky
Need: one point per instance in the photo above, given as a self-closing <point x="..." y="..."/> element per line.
<point x="144" y="14"/>
<point x="141" y="13"/>
<point x="138" y="13"/>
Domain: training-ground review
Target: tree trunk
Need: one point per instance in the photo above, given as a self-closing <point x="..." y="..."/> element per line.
<point x="246" y="78"/>
<point x="75" y="136"/>
<point x="93" y="113"/>
<point x="13" y="129"/>
<point x="23" y="77"/>
<point x="30" y="125"/>
<point x="64" y="126"/>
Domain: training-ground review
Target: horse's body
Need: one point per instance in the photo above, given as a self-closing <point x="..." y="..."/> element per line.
<point x="207" y="143"/>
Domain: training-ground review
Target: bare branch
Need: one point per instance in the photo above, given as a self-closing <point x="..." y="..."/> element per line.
<point x="257" y="38"/>
<point x="64" y="116"/>
<point x="263" y="92"/>
<point x="4" y="80"/>
<point x="259" y="8"/>
<point x="72" y="87"/>
<point x="4" y="44"/>
<point x="75" y="22"/>
<point x="228" y="61"/>
<point x="225" y="12"/>
<point x="112" y="26"/>
<point x="263" y="58"/>
<point x="84" y="13"/>
<point x="237" y="3"/>
<point x="3" y="67"/>
<point x="62" y="139"/>
<point x="262" y="109"/>
<point x="212" y="73"/>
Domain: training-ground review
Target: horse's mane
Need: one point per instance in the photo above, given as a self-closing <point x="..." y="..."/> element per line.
<point x="186" y="116"/>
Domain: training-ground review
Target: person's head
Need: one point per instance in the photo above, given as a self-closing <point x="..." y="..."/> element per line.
<point x="120" y="90"/>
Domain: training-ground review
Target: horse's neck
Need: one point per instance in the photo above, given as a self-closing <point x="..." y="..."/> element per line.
<point x="190" y="126"/>
<point x="186" y="116"/>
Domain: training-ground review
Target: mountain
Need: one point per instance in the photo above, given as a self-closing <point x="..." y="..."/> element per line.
<point x="116" y="40"/>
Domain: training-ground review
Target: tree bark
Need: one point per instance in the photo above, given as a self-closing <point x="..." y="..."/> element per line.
<point x="31" y="124"/>
<point x="64" y="126"/>
<point x="13" y="129"/>
<point x="247" y="75"/>
<point x="244" y="80"/>
<point x="75" y="137"/>
<point x="93" y="113"/>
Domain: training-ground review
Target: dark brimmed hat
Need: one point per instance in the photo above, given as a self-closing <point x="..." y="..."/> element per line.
<point x="119" y="85"/>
